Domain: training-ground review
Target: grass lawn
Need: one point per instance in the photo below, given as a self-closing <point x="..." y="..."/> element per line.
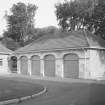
<point x="10" y="89"/>
<point x="61" y="93"/>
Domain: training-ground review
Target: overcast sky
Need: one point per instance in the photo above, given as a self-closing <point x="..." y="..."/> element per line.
<point x="45" y="15"/>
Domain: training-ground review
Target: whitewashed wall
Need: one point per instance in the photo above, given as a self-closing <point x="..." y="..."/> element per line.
<point x="4" y="69"/>
<point x="96" y="64"/>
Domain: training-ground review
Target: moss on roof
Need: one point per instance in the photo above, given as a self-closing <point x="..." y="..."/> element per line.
<point x="4" y="50"/>
<point x="63" y="40"/>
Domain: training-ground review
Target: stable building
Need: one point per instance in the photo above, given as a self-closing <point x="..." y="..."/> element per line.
<point x="4" y="59"/>
<point x="75" y="54"/>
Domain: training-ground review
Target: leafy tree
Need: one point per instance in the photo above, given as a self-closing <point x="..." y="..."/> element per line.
<point x="82" y="14"/>
<point x="20" y="23"/>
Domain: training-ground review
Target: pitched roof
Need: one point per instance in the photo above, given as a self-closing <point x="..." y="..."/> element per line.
<point x="10" y="43"/>
<point x="95" y="41"/>
<point x="4" y="50"/>
<point x="74" y="39"/>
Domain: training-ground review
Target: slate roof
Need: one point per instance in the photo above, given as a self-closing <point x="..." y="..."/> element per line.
<point x="4" y="50"/>
<point x="71" y="40"/>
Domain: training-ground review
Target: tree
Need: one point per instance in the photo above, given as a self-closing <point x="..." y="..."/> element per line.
<point x="82" y="14"/>
<point x="20" y="23"/>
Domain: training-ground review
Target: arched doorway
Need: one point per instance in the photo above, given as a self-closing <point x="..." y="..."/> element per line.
<point x="49" y="66"/>
<point x="71" y="66"/>
<point x="24" y="65"/>
<point x="35" y="65"/>
<point x="13" y="64"/>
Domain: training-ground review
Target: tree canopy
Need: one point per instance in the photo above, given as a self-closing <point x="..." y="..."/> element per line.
<point x="20" y="23"/>
<point x="82" y="14"/>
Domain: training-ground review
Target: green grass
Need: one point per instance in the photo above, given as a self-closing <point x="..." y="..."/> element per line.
<point x="60" y="93"/>
<point x="10" y="89"/>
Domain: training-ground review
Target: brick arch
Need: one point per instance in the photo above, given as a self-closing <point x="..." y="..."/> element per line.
<point x="24" y="65"/>
<point x="71" y="65"/>
<point x="35" y="65"/>
<point x="49" y="65"/>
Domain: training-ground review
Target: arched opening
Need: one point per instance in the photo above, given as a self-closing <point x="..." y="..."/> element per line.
<point x="24" y="65"/>
<point x="13" y="64"/>
<point x="71" y="66"/>
<point x="35" y="65"/>
<point x="49" y="65"/>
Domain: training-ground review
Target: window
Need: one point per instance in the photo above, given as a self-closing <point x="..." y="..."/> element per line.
<point x="1" y="62"/>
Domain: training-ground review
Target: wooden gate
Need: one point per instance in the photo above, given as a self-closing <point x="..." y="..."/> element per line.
<point x="24" y="65"/>
<point x="49" y="66"/>
<point x="35" y="65"/>
<point x="71" y="66"/>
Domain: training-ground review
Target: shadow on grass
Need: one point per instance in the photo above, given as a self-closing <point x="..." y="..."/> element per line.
<point x="11" y="89"/>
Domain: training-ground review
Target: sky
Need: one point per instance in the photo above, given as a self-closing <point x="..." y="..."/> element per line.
<point x="45" y="15"/>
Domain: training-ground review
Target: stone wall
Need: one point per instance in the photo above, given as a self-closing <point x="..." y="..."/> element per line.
<point x="91" y="62"/>
<point x="81" y="53"/>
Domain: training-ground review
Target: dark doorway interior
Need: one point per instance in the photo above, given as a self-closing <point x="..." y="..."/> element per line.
<point x="13" y="64"/>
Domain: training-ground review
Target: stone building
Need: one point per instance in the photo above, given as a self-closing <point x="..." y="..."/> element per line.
<point x="4" y="58"/>
<point x="77" y="54"/>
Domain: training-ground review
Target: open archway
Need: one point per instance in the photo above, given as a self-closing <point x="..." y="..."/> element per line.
<point x="12" y="63"/>
<point x="71" y="66"/>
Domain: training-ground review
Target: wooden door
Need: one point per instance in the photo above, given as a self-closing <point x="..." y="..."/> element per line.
<point x="71" y="66"/>
<point x="49" y="66"/>
<point x="24" y="65"/>
<point x="35" y="65"/>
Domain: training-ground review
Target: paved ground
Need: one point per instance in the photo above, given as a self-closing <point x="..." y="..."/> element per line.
<point x="72" y="92"/>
